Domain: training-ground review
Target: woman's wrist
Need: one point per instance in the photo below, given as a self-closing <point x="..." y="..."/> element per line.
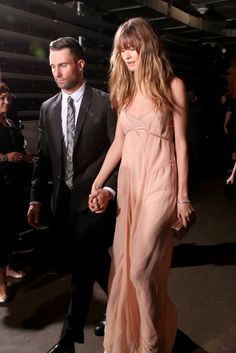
<point x="96" y="186"/>
<point x="179" y="202"/>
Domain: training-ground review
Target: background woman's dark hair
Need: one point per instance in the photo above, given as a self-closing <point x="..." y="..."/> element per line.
<point x="70" y="43"/>
<point x="4" y="88"/>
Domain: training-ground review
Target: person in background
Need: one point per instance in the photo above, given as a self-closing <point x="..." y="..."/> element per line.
<point x="221" y="139"/>
<point x="222" y="109"/>
<point x="152" y="193"/>
<point x="12" y="160"/>
<point x="12" y="113"/>
<point x="232" y="177"/>
<point x="76" y="128"/>
<point x="196" y="135"/>
<point x="230" y="131"/>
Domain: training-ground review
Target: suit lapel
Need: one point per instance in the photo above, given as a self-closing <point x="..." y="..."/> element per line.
<point x="83" y="112"/>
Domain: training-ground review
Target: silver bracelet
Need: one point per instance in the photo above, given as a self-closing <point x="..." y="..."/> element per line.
<point x="183" y="201"/>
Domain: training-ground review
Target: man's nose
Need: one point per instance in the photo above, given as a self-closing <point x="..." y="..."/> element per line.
<point x="57" y="72"/>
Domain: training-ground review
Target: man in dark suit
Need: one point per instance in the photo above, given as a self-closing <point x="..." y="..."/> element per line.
<point x="88" y="235"/>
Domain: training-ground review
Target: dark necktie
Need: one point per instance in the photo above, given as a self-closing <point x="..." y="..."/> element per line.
<point x="70" y="142"/>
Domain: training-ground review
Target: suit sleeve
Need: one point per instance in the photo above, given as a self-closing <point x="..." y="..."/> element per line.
<point x="42" y="165"/>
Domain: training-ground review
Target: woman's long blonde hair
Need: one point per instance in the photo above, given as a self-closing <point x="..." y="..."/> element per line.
<point x="154" y="74"/>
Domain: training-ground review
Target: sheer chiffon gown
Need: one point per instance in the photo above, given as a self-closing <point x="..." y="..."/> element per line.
<point x="140" y="316"/>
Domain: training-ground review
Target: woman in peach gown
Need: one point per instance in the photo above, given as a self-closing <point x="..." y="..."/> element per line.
<point x="151" y="194"/>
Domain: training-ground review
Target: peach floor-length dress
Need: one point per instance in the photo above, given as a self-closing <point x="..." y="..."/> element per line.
<point x="140" y="316"/>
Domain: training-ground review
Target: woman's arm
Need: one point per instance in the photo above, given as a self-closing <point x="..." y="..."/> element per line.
<point x="112" y="158"/>
<point x="227" y="119"/>
<point x="180" y="125"/>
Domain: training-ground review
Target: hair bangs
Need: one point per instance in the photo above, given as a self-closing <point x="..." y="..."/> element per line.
<point x="4" y="88"/>
<point x="129" y="39"/>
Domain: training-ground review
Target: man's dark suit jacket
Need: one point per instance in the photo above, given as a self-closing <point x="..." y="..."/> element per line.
<point x="95" y="131"/>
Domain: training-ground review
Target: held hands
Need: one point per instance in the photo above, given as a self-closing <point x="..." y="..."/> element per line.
<point x="98" y="200"/>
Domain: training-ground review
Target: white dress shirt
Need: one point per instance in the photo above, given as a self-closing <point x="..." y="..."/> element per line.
<point x="77" y="98"/>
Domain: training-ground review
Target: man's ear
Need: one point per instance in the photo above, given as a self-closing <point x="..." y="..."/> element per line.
<point x="81" y="64"/>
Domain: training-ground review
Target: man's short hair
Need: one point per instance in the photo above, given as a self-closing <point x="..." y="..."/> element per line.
<point x="70" y="43"/>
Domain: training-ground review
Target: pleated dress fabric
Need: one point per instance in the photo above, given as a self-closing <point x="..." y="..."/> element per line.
<point x="141" y="318"/>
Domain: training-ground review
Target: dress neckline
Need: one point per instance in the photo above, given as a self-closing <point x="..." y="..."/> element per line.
<point x="141" y="116"/>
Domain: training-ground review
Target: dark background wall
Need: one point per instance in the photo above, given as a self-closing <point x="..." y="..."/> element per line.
<point x="27" y="27"/>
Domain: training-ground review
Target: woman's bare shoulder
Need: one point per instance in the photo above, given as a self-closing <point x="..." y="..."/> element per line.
<point x="177" y="84"/>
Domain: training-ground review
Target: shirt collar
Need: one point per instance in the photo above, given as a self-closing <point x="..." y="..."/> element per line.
<point x="77" y="95"/>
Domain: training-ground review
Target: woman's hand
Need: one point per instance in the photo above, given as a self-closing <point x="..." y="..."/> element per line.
<point x="98" y="200"/>
<point x="232" y="177"/>
<point x="15" y="157"/>
<point x="230" y="180"/>
<point x="186" y="213"/>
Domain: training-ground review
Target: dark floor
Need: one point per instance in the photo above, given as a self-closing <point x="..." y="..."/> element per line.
<point x="201" y="283"/>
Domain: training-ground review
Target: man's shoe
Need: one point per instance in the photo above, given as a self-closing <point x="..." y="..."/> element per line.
<point x="100" y="328"/>
<point x="59" y="348"/>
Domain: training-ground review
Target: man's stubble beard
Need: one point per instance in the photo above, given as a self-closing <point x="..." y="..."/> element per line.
<point x="69" y="85"/>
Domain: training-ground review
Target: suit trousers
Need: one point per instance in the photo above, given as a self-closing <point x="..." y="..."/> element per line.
<point x="90" y="236"/>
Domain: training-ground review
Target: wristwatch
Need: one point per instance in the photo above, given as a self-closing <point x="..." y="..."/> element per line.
<point x="3" y="158"/>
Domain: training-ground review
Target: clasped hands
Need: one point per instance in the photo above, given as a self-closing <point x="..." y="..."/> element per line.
<point x="98" y="200"/>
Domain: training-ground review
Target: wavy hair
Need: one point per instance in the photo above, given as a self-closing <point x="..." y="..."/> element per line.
<point x="154" y="73"/>
<point x="4" y="88"/>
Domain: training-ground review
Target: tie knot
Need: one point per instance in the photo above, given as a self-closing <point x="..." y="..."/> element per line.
<point x="70" y="100"/>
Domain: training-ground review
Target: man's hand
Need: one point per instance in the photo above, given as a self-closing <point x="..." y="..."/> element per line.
<point x="98" y="200"/>
<point x="34" y="215"/>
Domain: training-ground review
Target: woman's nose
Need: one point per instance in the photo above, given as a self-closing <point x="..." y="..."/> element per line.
<point x="128" y="54"/>
<point x="6" y="100"/>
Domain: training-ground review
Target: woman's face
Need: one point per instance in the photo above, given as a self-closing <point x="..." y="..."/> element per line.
<point x="131" y="58"/>
<point x="4" y="102"/>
